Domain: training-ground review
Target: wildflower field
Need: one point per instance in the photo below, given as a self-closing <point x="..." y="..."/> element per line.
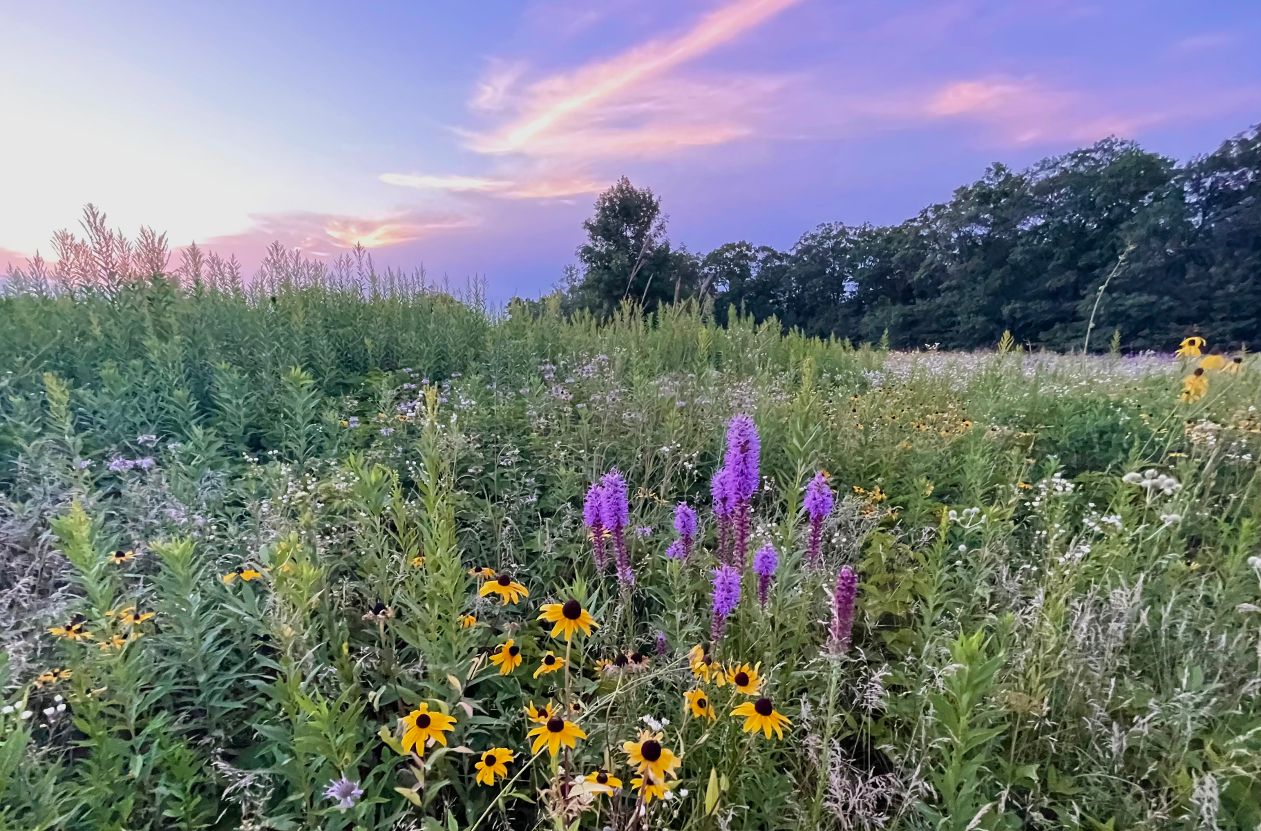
<point x="310" y="557"/>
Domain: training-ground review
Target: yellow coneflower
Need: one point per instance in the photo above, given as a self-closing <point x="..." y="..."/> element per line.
<point x="554" y="733"/>
<point x="1194" y="386"/>
<point x="697" y="702"/>
<point x="245" y="574"/>
<point x="1190" y="347"/>
<point x="1234" y="366"/>
<point x="761" y="715"/>
<point x="540" y="715"/>
<point x="482" y="572"/>
<point x="652" y="787"/>
<point x="550" y="663"/>
<point x="120" y="556"/>
<point x="422" y="725"/>
<point x="703" y="666"/>
<point x="745" y="679"/>
<point x="604" y="781"/>
<point x="509" y="591"/>
<point x="130" y="617"/>
<point x="1212" y="362"/>
<point x="507" y="657"/>
<point x="418" y="561"/>
<point x="568" y="618"/>
<point x="878" y="495"/>
<point x="468" y="621"/>
<point x="113" y="642"/>
<point x="649" y="756"/>
<point x="603" y="665"/>
<point x="53" y="676"/>
<point x="76" y="629"/>
<point x="494" y="762"/>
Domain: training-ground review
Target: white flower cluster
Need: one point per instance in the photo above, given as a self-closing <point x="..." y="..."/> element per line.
<point x="1153" y="482"/>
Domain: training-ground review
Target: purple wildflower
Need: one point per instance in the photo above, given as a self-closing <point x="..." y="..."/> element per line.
<point x="842" y="629"/>
<point x="118" y="464"/>
<point x="345" y="791"/>
<point x="614" y="515"/>
<point x="146" y="463"/>
<point x="818" y="505"/>
<point x="676" y="551"/>
<point x="592" y="507"/>
<point x="662" y="646"/>
<point x="765" y="561"/>
<point x="643" y="532"/>
<point x="687" y="525"/>
<point x="743" y="456"/>
<point x="724" y="508"/>
<point x="726" y="598"/>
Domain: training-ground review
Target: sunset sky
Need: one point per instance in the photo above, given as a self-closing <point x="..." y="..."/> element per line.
<point x="473" y="137"/>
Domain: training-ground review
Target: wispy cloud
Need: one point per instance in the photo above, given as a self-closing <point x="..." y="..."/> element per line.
<point x="318" y="232"/>
<point x="536" y="187"/>
<point x="1205" y="42"/>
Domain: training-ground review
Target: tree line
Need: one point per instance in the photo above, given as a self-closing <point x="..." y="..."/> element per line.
<point x="1128" y="242"/>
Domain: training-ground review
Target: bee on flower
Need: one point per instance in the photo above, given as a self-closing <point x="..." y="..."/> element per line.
<point x="761" y="715"/>
<point x="508" y="590"/>
<point x="493" y="763"/>
<point x="422" y="726"/>
<point x="507" y="657"/>
<point x="245" y="574"/>
<point x="554" y="733"/>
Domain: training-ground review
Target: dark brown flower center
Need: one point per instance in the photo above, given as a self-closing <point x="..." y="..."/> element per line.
<point x="514" y="650"/>
<point x="706" y="659"/>
<point x="378" y="608"/>
<point x="638" y="657"/>
<point x="742" y="679"/>
<point x="549" y="660"/>
<point x="489" y="760"/>
<point x="619" y="661"/>
<point x="701" y="703"/>
<point x="555" y="725"/>
<point x="504" y="580"/>
<point x="76" y="619"/>
<point x="572" y="610"/>
<point x="423" y="721"/>
<point x="602" y="777"/>
<point x="120" y="555"/>
<point x="1199" y="372"/>
<point x="650" y="750"/>
<point x="763" y="707"/>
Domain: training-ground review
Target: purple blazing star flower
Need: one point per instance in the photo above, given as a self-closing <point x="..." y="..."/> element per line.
<point x="643" y="532"/>
<point x="724" y="508"/>
<point x="662" y="646"/>
<point x="676" y="551"/>
<point x="345" y="791"/>
<point x="843" y="597"/>
<point x="818" y="505"/>
<point x="744" y="449"/>
<point x="765" y="561"/>
<point x="686" y="525"/>
<point x="592" y="507"/>
<point x="614" y="515"/>
<point x="726" y="598"/>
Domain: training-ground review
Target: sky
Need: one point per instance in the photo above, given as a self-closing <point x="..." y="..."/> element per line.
<point x="473" y="138"/>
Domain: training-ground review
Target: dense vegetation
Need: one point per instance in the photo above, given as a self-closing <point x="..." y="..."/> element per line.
<point x="1174" y="249"/>
<point x="237" y="528"/>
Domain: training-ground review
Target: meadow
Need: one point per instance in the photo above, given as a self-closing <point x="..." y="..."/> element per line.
<point x="310" y="555"/>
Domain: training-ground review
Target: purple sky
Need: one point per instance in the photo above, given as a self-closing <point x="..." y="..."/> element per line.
<point x="473" y="137"/>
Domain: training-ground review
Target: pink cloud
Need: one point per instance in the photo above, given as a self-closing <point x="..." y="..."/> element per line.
<point x="11" y="259"/>
<point x="321" y="233"/>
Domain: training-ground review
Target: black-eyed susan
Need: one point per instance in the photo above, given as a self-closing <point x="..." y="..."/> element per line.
<point x="130" y="617"/>
<point x="540" y="715"/>
<point x="418" y="561"/>
<point x="703" y="665"/>
<point x="482" y="572"/>
<point x="554" y="733"/>
<point x="698" y="704"/>
<point x="650" y="787"/>
<point x="245" y="574"/>
<point x="53" y="676"/>
<point x="122" y="556"/>
<point x="507" y="657"/>
<point x="745" y="679"/>
<point x="1212" y="362"/>
<point x="468" y="621"/>
<point x="1194" y="386"/>
<point x="604" y="781"/>
<point x="761" y="715"/>
<point x="1236" y="364"/>
<point x="568" y="618"/>
<point x="494" y="763"/>
<point x="648" y="755"/>
<point x="76" y="629"/>
<point x="549" y="663"/>
<point x="1190" y="347"/>
<point x="509" y="590"/>
<point x="113" y="643"/>
<point x="423" y="725"/>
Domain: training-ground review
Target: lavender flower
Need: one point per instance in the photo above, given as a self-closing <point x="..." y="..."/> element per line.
<point x="345" y="791"/>
<point x="118" y="464"/>
<point x="726" y="598"/>
<point x="676" y="551"/>
<point x="592" y="507"/>
<point x="843" y="597"/>
<point x="687" y="526"/>
<point x="146" y="463"/>
<point x="818" y="505"/>
<point x="614" y="515"/>
<point x="662" y="646"/>
<point x="765" y="561"/>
